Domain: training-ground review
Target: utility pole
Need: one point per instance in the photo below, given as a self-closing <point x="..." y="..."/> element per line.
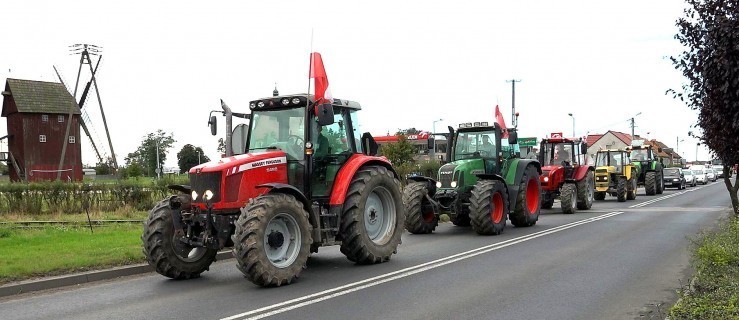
<point x="514" y="120"/>
<point x="633" y="125"/>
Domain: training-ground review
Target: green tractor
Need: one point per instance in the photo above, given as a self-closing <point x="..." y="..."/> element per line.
<point x="484" y="182"/>
<point x="649" y="167"/>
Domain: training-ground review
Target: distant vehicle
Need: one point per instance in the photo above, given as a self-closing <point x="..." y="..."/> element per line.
<point x="711" y="174"/>
<point x="689" y="177"/>
<point x="700" y="174"/>
<point x="674" y="177"/>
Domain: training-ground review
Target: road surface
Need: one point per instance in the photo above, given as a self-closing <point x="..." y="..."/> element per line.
<point x="616" y="261"/>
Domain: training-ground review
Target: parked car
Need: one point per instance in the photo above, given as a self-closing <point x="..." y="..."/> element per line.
<point x="700" y="176"/>
<point x="689" y="177"/>
<point x="674" y="177"/>
<point x="710" y="175"/>
<point x="720" y="172"/>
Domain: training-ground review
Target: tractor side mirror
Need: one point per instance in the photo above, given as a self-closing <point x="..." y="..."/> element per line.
<point x="238" y="138"/>
<point x="325" y="114"/>
<point x="369" y="146"/>
<point x="512" y="137"/>
<point x="431" y="143"/>
<point x="213" y="124"/>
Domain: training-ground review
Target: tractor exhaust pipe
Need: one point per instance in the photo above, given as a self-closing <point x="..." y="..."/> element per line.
<point x="229" y="128"/>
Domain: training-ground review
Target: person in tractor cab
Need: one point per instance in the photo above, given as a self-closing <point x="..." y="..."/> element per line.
<point x="487" y="146"/>
<point x="562" y="156"/>
<point x="322" y="147"/>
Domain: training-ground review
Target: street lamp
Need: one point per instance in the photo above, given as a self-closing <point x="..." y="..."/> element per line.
<point x="433" y="153"/>
<point x="573" y="124"/>
<point x="677" y="143"/>
<point x="696" y="152"/>
<point x="198" y="156"/>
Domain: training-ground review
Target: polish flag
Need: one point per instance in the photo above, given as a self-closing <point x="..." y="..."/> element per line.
<point x="500" y="121"/>
<point x="318" y="72"/>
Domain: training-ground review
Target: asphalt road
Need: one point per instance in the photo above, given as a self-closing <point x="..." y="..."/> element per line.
<point x="616" y="261"/>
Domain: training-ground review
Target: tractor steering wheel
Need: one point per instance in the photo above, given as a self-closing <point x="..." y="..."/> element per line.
<point x="296" y="143"/>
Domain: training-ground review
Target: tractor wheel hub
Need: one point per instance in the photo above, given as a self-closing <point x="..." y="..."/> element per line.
<point x="275" y="239"/>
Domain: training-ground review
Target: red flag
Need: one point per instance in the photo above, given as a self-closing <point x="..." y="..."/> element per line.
<point x="318" y="73"/>
<point x="500" y="121"/>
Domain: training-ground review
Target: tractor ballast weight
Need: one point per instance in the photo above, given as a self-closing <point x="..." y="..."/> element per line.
<point x="615" y="175"/>
<point x="484" y="184"/>
<point x="305" y="180"/>
<point x="566" y="173"/>
<point x="649" y="166"/>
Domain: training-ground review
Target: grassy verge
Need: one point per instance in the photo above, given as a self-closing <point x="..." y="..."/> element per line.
<point x="715" y="290"/>
<point x="28" y="253"/>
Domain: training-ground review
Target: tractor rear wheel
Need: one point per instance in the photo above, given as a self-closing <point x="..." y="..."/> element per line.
<point x="170" y="257"/>
<point x="528" y="204"/>
<point x="420" y="217"/>
<point x="600" y="195"/>
<point x="488" y="206"/>
<point x="650" y="183"/>
<point x="621" y="189"/>
<point x="372" y="223"/>
<point x="585" y="192"/>
<point x="660" y="183"/>
<point x="568" y="198"/>
<point x="272" y="239"/>
<point x="633" y="186"/>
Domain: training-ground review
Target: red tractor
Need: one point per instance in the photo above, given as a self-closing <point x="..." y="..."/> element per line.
<point x="306" y="179"/>
<point x="566" y="173"/>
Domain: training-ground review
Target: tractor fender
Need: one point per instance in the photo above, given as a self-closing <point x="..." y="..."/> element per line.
<point x="288" y="189"/>
<point x="431" y="183"/>
<point x="180" y="187"/>
<point x="521" y="166"/>
<point x="346" y="174"/>
<point x="582" y="172"/>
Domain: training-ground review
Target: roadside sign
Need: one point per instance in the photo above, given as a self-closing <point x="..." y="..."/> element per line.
<point x="527" y="142"/>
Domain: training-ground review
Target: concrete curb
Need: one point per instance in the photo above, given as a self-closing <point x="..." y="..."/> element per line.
<point x="82" y="278"/>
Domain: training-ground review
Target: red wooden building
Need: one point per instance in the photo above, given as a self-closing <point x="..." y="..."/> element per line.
<point x="38" y="115"/>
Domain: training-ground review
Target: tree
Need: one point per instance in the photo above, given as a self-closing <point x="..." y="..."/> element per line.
<point x="221" y="146"/>
<point x="408" y="131"/>
<point x="104" y="168"/>
<point x="146" y="154"/>
<point x="4" y="169"/>
<point x="190" y="156"/>
<point x="709" y="32"/>
<point x="399" y="153"/>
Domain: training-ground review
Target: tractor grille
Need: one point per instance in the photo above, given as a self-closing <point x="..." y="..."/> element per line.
<point x="199" y="182"/>
<point x="446" y="173"/>
<point x="601" y="170"/>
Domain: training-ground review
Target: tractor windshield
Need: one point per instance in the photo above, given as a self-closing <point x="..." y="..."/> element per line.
<point x="557" y="154"/>
<point x="278" y="129"/>
<point x="639" y="155"/>
<point x="478" y="144"/>
<point x="609" y="158"/>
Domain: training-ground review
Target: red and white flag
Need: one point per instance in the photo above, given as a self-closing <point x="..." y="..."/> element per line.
<point x="500" y="121"/>
<point x="318" y="72"/>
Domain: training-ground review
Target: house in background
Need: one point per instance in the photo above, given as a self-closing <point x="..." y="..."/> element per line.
<point x="608" y="140"/>
<point x="38" y="114"/>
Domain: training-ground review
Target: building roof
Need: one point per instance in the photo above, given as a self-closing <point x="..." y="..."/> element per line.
<point x="626" y="138"/>
<point x="40" y="97"/>
<point x="592" y="138"/>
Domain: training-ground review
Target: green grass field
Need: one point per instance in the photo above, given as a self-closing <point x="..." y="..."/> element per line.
<point x="28" y="253"/>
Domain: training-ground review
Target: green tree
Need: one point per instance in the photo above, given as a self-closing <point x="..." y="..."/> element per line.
<point x="104" y="168"/>
<point x="190" y="156"/>
<point x="4" y="169"/>
<point x="146" y="154"/>
<point x="399" y="153"/>
<point x="408" y="131"/>
<point x="709" y="33"/>
<point x="134" y="170"/>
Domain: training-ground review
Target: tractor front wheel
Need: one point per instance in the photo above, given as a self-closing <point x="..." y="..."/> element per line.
<point x="420" y="217"/>
<point x="528" y="204"/>
<point x="372" y="223"/>
<point x="568" y="198"/>
<point x="661" y="183"/>
<point x="631" y="194"/>
<point x="585" y="192"/>
<point x="488" y="206"/>
<point x="621" y="189"/>
<point x="272" y="239"/>
<point x="169" y="256"/>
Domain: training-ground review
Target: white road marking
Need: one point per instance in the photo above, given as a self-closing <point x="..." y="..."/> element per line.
<point x="374" y="281"/>
<point x="646" y="203"/>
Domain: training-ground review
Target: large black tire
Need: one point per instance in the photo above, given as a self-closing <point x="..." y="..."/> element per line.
<point x="621" y="189"/>
<point x="547" y="204"/>
<point x="660" y="183"/>
<point x="367" y="237"/>
<point x="169" y="257"/>
<point x="586" y="192"/>
<point x="600" y="195"/>
<point x="568" y="198"/>
<point x="275" y="258"/>
<point x="488" y="207"/>
<point x="650" y="183"/>
<point x="461" y="220"/>
<point x="528" y="204"/>
<point x="420" y="217"/>
<point x="631" y="190"/>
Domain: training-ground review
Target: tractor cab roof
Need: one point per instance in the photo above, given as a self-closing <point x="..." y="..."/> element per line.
<point x="612" y="150"/>
<point x="557" y="137"/>
<point x="478" y="126"/>
<point x="296" y="100"/>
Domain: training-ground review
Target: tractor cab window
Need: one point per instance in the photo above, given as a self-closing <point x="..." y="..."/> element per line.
<point x="332" y="147"/>
<point x="615" y="159"/>
<point x="356" y="130"/>
<point x="639" y="155"/>
<point x="278" y="129"/>
<point x="472" y="145"/>
<point x="559" y="154"/>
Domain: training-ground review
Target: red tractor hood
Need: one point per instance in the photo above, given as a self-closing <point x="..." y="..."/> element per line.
<point x="241" y="162"/>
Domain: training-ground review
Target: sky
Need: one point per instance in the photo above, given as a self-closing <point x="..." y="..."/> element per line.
<point x="166" y="64"/>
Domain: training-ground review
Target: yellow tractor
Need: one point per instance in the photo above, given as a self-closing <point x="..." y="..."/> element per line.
<point x="615" y="175"/>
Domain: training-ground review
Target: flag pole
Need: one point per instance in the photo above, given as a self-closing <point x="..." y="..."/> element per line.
<point x="310" y="67"/>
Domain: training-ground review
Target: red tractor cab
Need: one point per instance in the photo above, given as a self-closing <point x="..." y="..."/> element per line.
<point x="567" y="173"/>
<point x="307" y="178"/>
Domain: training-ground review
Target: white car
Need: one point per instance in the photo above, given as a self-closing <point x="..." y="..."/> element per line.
<point x="710" y="174"/>
<point x="700" y="176"/>
<point x="689" y="178"/>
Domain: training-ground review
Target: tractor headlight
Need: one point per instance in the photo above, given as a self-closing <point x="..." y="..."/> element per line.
<point x="454" y="184"/>
<point x="252" y="106"/>
<point x="194" y="195"/>
<point x="207" y="195"/>
<point x="285" y="101"/>
<point x="546" y="179"/>
<point x="438" y="184"/>
<point x="260" y="104"/>
<point x="296" y="100"/>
